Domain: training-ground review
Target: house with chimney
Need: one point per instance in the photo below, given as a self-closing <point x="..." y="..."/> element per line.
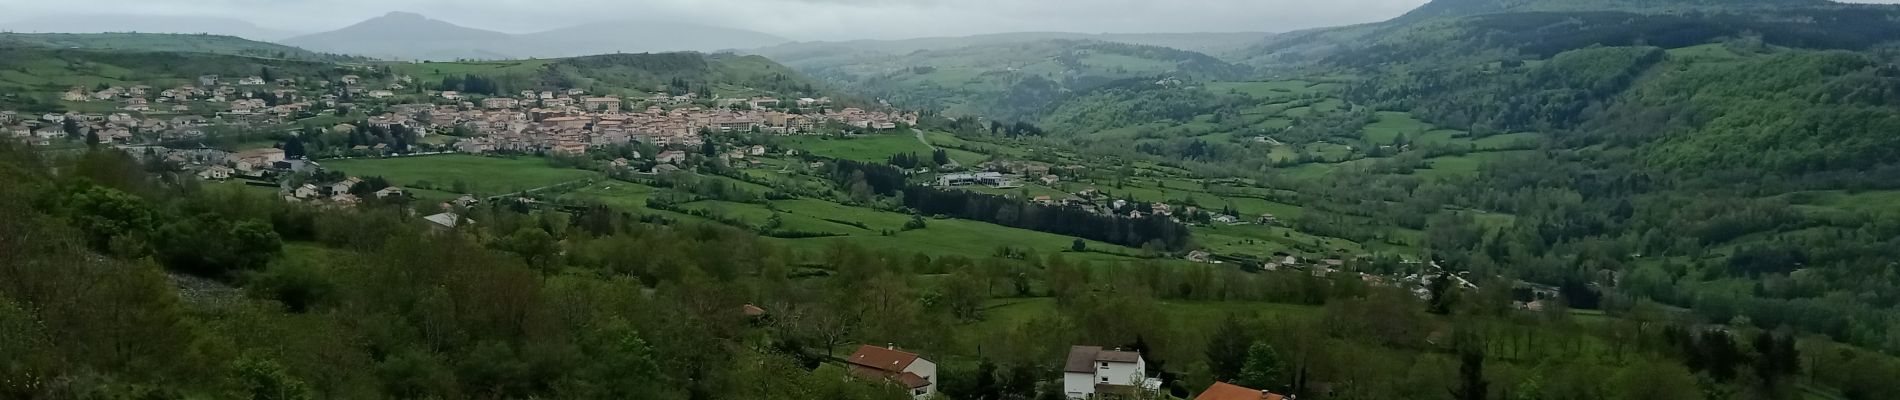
<point x="915" y="374"/>
<point x="1093" y="372"/>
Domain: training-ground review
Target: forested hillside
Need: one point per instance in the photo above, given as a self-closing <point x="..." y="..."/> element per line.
<point x="626" y="74"/>
<point x="1727" y="162"/>
<point x="1012" y="81"/>
<point x="31" y="77"/>
<point x="161" y="42"/>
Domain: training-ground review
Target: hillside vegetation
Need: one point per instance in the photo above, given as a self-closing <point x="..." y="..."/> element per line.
<point x="1014" y="80"/>
<point x="1683" y="158"/>
<point x="162" y="42"/>
<point x="31" y="77"/>
<point x="626" y="74"/>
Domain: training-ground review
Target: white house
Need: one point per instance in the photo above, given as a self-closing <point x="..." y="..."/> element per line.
<point x="215" y="173"/>
<point x="1090" y="370"/>
<point x="915" y="374"/>
<point x="671" y="156"/>
<point x="306" y="191"/>
<point x="345" y="185"/>
<point x="445" y="222"/>
<point x="389" y="191"/>
<point x="987" y="178"/>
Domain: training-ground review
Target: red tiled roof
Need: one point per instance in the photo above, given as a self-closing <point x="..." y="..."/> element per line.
<point x="1226" y="391"/>
<point x="912" y="381"/>
<point x="882" y="359"/>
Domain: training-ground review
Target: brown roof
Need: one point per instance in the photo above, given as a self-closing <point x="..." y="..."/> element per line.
<point x="909" y="380"/>
<point x="1225" y="391"/>
<point x="750" y="310"/>
<point x="1119" y="356"/>
<point x="882" y="359"/>
<point x="1081" y="359"/>
<point x="913" y="381"/>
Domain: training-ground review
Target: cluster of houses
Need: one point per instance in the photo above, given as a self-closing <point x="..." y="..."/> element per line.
<point x="181" y="112"/>
<point x="572" y="125"/>
<point x="1089" y="372"/>
<point x="565" y="121"/>
<point x="44" y="129"/>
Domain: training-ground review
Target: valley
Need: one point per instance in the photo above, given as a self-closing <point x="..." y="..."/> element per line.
<point x="1478" y="199"/>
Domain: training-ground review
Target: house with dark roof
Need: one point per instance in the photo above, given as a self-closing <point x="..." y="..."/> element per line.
<point x="1092" y="372"/>
<point x="1227" y="391"/>
<point x="915" y="374"/>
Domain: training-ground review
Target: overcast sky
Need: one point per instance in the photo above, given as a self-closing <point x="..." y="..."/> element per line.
<point x="795" y="19"/>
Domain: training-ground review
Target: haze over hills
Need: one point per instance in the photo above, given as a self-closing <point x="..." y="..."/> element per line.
<point x="401" y="35"/>
<point x="1007" y="80"/>
<point x="812" y="54"/>
<point x="99" y="23"/>
<point x="1301" y="47"/>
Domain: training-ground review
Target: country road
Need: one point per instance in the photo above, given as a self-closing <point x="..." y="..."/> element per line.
<point x="933" y="148"/>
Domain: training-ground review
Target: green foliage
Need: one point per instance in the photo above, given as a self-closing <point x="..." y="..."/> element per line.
<point x="104" y="214"/>
<point x="209" y="245"/>
<point x="1263" y="368"/>
<point x="1013" y="81"/>
<point x="266" y="380"/>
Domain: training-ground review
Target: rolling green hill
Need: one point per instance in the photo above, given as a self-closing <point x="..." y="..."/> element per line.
<point x="1463" y="8"/>
<point x="31" y="76"/>
<point x="1690" y="150"/>
<point x="1549" y="20"/>
<point x="630" y="74"/>
<point x="1014" y="80"/>
<point x="165" y="42"/>
<point x="826" y="54"/>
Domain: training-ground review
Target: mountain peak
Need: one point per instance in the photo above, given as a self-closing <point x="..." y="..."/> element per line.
<point x="403" y="15"/>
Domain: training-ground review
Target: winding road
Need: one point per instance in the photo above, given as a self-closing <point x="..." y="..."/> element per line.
<point x="933" y="148"/>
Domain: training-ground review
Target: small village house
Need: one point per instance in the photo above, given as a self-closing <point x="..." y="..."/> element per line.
<point x="1091" y="370"/>
<point x="915" y="374"/>
<point x="445" y="222"/>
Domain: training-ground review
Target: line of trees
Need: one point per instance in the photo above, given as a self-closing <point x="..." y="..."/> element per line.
<point x="1153" y="231"/>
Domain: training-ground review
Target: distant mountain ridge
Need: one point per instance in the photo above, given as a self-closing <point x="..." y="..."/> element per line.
<point x="168" y="42"/>
<point x="106" y="23"/>
<point x="410" y="36"/>
<point x="1302" y="47"/>
<point x="800" y="54"/>
<point x="1460" y="8"/>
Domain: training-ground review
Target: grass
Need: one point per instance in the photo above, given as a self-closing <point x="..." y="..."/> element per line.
<point x="435" y="71"/>
<point x="873" y="148"/>
<point x="941" y="237"/>
<point x="1463" y="166"/>
<point x="1263" y="240"/>
<point x="1392" y="124"/>
<point x="1871" y="202"/>
<point x="1263" y="90"/>
<point x="481" y="175"/>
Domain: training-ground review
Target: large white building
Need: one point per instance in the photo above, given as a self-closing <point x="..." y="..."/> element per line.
<point x="1092" y="372"/>
<point x="915" y="374"/>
